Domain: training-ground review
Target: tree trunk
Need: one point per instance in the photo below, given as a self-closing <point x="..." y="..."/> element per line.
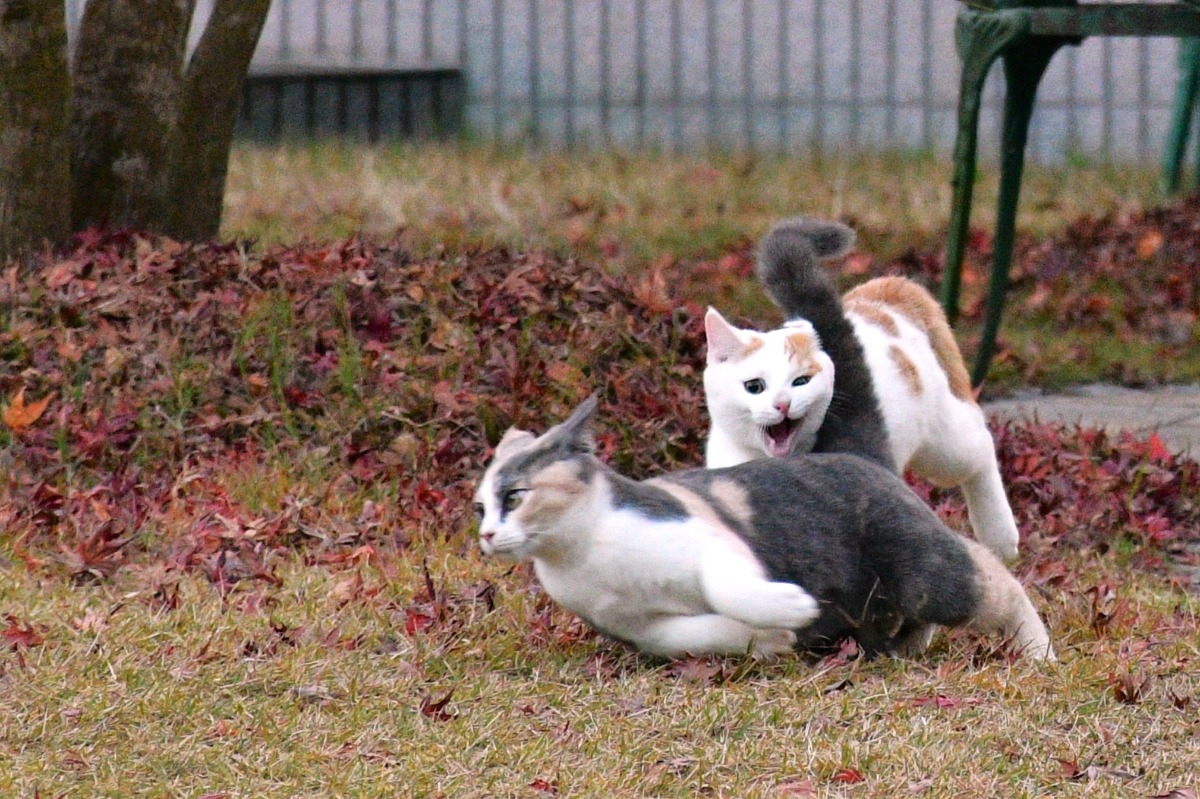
<point x="125" y="105"/>
<point x="212" y="91"/>
<point x="34" y="91"/>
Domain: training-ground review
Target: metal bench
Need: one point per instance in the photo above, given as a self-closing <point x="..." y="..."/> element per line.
<point x="387" y="101"/>
<point x="1024" y="35"/>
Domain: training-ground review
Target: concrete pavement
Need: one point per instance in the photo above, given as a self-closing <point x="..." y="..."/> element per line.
<point x="1171" y="411"/>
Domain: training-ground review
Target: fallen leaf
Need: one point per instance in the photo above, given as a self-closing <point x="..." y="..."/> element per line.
<point x="18" y="414"/>
<point x="544" y="786"/>
<point x="436" y="709"/>
<point x="848" y="776"/>
<point x="1128" y="689"/>
<point x="1149" y="244"/>
<point x="20" y="634"/>
<point x="797" y="788"/>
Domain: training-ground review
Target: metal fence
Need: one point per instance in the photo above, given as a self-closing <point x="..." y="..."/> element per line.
<point x="758" y="74"/>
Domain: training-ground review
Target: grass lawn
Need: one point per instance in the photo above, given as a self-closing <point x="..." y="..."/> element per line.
<point x="237" y="552"/>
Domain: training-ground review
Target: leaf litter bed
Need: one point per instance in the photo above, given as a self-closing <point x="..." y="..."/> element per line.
<point x="155" y="370"/>
<point x="182" y="414"/>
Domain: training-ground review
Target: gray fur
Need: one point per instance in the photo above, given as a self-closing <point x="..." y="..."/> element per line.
<point x="880" y="564"/>
<point x="854" y="536"/>
<point x="790" y="270"/>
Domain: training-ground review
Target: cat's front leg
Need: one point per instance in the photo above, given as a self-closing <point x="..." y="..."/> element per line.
<point x="734" y="585"/>
<point x="712" y="633"/>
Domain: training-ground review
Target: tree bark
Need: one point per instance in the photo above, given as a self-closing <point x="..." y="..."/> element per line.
<point x="34" y="92"/>
<point x="212" y="91"/>
<point x="125" y="104"/>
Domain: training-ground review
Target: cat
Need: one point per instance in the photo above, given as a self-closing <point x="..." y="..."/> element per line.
<point x="761" y="557"/>
<point x="768" y="393"/>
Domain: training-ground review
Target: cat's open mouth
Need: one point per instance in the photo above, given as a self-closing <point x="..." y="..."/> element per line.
<point x="780" y="436"/>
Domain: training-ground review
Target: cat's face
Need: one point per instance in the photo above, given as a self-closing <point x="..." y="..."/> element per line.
<point x="533" y="496"/>
<point x="770" y="391"/>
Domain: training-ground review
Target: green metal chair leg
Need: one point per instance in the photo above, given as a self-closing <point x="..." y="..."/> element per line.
<point x="980" y="37"/>
<point x="1181" y="117"/>
<point x="1024" y="65"/>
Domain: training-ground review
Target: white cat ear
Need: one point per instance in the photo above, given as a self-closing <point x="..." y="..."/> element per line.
<point x="724" y="340"/>
<point x="512" y="441"/>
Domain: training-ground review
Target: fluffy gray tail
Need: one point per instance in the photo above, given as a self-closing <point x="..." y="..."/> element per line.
<point x="789" y="267"/>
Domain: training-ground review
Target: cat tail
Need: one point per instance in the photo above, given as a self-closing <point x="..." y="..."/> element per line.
<point x="789" y="267"/>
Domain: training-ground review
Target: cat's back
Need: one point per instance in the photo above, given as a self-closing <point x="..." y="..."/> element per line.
<point x="836" y="496"/>
<point x="913" y="324"/>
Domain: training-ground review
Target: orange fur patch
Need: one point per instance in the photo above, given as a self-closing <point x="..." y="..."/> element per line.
<point x="800" y="348"/>
<point x="873" y="313"/>
<point x="908" y="369"/>
<point x="919" y="307"/>
<point x="752" y="346"/>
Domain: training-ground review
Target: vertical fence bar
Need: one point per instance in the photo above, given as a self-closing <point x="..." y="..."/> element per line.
<point x="676" y="76"/>
<point x="322" y="31"/>
<point x="1106" y="94"/>
<point x="605" y="96"/>
<point x="426" y="30"/>
<point x="784" y="83"/>
<point x="748" y="72"/>
<point x="891" y="90"/>
<point x="1143" y="101"/>
<point x="927" y="74"/>
<point x="1073" y="108"/>
<point x="390" y="25"/>
<point x="535" y="69"/>
<point x="710" y="32"/>
<point x="639" y="55"/>
<point x="818" y="101"/>
<point x="464" y="57"/>
<point x="569" y="54"/>
<point x="856" y="84"/>
<point x="356" y="38"/>
<point x="498" y="70"/>
<point x="285" y="29"/>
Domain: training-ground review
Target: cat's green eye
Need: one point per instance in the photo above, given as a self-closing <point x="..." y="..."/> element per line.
<point x="755" y="386"/>
<point x="512" y="499"/>
<point x="801" y="380"/>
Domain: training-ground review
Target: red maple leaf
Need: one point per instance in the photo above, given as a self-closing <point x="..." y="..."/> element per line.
<point x="20" y="634"/>
<point x="848" y="776"/>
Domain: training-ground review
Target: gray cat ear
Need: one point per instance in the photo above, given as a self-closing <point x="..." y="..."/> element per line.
<point x="724" y="340"/>
<point x="512" y="441"/>
<point x="576" y="431"/>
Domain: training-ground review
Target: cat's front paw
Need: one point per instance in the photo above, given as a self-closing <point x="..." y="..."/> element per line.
<point x="792" y="606"/>
<point x="772" y="643"/>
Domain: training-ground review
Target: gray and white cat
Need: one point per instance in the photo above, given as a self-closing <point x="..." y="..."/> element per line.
<point x="760" y="557"/>
<point x="769" y="393"/>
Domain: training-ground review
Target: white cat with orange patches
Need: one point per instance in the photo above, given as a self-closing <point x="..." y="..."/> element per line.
<point x="769" y="393"/>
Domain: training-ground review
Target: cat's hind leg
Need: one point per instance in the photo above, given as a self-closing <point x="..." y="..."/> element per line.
<point x="733" y="585"/>
<point x="990" y="514"/>
<point x="961" y="452"/>
<point x="711" y="633"/>
<point x="1004" y="607"/>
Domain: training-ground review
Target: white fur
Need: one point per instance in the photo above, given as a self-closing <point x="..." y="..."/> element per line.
<point x="669" y="587"/>
<point x="739" y="418"/>
<point x="939" y="436"/>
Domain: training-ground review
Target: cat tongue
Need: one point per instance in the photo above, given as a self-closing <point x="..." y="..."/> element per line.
<point x="779" y="438"/>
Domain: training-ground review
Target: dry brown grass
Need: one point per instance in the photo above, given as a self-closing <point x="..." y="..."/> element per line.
<point x="318" y="692"/>
<point x="629" y="209"/>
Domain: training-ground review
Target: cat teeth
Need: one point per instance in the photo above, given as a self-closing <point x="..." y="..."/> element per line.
<point x="779" y="437"/>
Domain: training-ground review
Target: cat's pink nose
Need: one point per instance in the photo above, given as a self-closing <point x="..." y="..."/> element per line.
<point x="487" y="535"/>
<point x="782" y="407"/>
